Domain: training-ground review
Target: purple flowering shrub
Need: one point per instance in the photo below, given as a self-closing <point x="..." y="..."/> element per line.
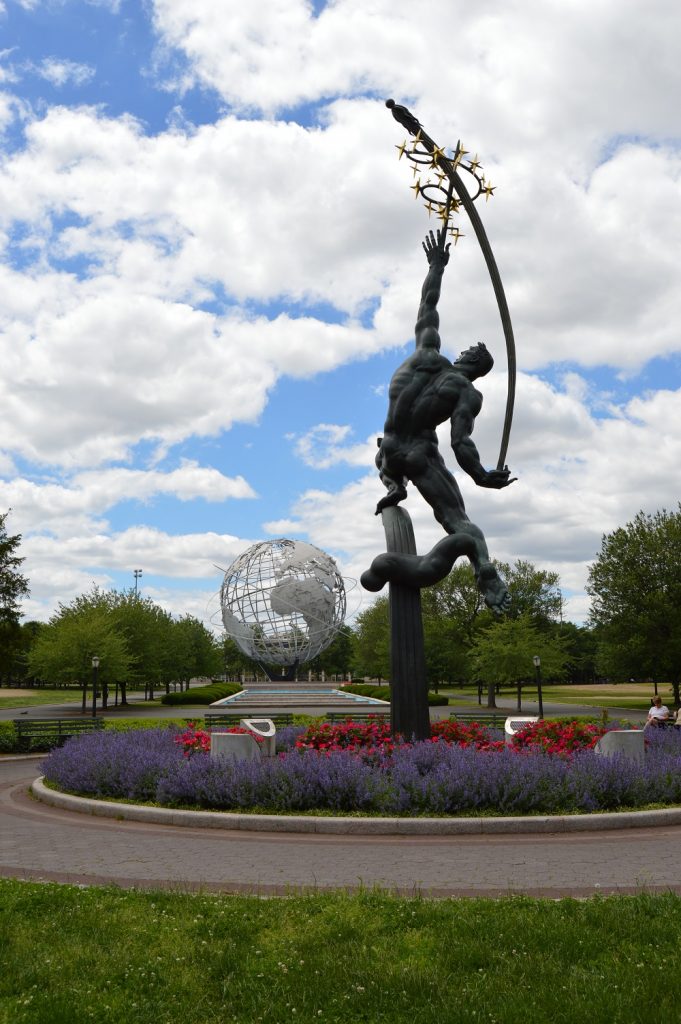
<point x="115" y="764"/>
<point x="420" y="778"/>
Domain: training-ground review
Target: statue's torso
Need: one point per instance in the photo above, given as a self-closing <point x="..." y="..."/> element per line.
<point x="425" y="391"/>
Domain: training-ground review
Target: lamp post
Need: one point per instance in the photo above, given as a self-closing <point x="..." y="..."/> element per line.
<point x="537" y="671"/>
<point x="136" y="573"/>
<point x="95" y="669"/>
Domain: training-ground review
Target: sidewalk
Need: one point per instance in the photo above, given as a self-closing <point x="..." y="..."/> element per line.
<point x="41" y="842"/>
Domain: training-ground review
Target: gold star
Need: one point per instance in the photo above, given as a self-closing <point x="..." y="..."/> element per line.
<point x="401" y="149"/>
<point x="456" y="234"/>
<point x="459" y="155"/>
<point x="475" y="164"/>
<point x="455" y="204"/>
<point x="416" y="187"/>
<point x="443" y="214"/>
<point x="429" y="207"/>
<point x="488" y="189"/>
<point x="417" y="137"/>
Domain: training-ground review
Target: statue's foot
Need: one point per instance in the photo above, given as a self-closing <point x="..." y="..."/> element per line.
<point x="494" y="590"/>
<point x="394" y="496"/>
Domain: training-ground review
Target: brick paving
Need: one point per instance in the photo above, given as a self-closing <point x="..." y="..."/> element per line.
<point x="41" y="842"/>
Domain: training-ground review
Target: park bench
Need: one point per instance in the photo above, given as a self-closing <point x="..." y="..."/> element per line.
<point x="217" y="719"/>
<point x="357" y="713"/>
<point x="491" y="718"/>
<point x="52" y="732"/>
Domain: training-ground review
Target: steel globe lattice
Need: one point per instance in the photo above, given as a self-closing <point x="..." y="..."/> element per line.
<point x="283" y="601"/>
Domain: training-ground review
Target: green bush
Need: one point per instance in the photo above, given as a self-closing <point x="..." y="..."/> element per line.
<point x="383" y="693"/>
<point x="128" y="724"/>
<point x="8" y="737"/>
<point x="202" y="694"/>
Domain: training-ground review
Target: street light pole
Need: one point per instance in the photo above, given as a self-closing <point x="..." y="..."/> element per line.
<point x="95" y="668"/>
<point x="537" y="671"/>
<point x="136" y="573"/>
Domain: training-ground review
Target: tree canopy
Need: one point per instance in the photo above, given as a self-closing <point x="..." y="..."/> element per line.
<point x="457" y="626"/>
<point x="635" y="586"/>
<point x="136" y="641"/>
<point x="504" y="653"/>
<point x="13" y="586"/>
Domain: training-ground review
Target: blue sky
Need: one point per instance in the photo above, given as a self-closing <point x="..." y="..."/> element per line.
<point x="210" y="264"/>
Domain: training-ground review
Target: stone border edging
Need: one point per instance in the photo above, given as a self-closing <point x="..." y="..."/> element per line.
<point x="356" y="826"/>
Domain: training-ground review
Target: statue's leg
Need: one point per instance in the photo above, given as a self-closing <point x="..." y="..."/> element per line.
<point x="392" y="478"/>
<point x="441" y="491"/>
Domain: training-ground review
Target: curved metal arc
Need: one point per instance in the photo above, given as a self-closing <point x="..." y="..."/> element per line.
<point x="504" y="312"/>
<point x="404" y="117"/>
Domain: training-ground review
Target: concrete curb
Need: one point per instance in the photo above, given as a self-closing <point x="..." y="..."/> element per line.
<point x="357" y="826"/>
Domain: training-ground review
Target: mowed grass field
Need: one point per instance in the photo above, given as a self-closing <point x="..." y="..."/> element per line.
<point x="628" y="696"/>
<point x="621" y="695"/>
<point x="74" y="955"/>
<point x="22" y="698"/>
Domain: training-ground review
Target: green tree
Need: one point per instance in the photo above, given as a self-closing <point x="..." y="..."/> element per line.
<point x="63" y="650"/>
<point x="580" y="646"/>
<point x="534" y="592"/>
<point x="453" y="611"/>
<point x="234" y="661"/>
<point x="195" y="651"/>
<point x="503" y="653"/>
<point x="372" y="646"/>
<point x="337" y="658"/>
<point x="146" y="628"/>
<point x="13" y="586"/>
<point x="635" y="587"/>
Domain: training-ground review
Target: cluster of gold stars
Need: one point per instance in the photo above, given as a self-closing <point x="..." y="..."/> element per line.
<point x="436" y="189"/>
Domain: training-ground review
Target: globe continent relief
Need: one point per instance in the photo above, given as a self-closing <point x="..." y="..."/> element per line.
<point x="283" y="601"/>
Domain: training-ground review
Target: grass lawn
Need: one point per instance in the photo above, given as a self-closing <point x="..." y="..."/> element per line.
<point x="633" y="696"/>
<point x="72" y="955"/>
<point x="29" y="698"/>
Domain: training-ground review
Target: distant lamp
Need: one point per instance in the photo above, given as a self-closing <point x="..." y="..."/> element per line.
<point x="536" y="661"/>
<point x="95" y="669"/>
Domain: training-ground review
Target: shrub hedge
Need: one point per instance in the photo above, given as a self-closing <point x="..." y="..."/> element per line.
<point x="435" y="700"/>
<point x="202" y="694"/>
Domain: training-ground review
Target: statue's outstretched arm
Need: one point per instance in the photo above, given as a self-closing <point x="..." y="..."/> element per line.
<point x="428" y="320"/>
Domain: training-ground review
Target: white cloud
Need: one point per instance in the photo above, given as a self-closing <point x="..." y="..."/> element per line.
<point x="580" y="476"/>
<point x="71" y="507"/>
<point x="144" y="276"/>
<point x="62" y="72"/>
<point x="60" y="568"/>
<point x="322" y="447"/>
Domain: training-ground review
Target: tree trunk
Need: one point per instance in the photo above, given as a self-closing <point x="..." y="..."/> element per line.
<point x="491" y="702"/>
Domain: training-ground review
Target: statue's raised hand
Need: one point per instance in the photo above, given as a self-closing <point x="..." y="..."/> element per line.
<point x="435" y="249"/>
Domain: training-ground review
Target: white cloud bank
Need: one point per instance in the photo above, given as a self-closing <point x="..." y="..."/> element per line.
<point x="156" y="287"/>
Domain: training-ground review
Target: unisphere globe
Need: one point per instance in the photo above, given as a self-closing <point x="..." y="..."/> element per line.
<point x="283" y="601"/>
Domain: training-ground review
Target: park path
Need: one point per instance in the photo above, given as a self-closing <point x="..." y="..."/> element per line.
<point x="42" y="842"/>
<point x="136" y="709"/>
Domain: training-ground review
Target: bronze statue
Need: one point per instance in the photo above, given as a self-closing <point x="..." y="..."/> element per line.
<point x="426" y="390"/>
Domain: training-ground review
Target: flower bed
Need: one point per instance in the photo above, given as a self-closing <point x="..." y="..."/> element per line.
<point x="432" y="777"/>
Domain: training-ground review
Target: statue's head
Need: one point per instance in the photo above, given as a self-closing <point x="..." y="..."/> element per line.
<point x="475" y="361"/>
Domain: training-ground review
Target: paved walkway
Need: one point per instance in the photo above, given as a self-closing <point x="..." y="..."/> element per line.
<point x="41" y="842"/>
<point x="136" y="709"/>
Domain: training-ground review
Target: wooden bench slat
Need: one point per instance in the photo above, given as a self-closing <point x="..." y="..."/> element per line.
<point x="233" y="719"/>
<point x="54" y="729"/>
<point x="343" y="716"/>
<point x="482" y="717"/>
